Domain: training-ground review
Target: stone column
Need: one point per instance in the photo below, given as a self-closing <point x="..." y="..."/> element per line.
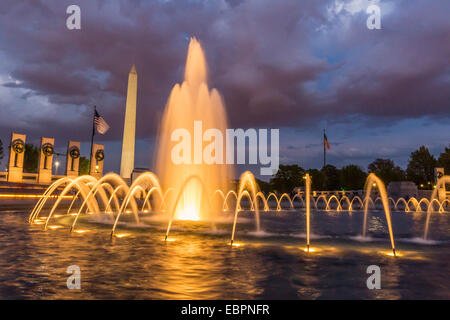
<point x="46" y="160"/>
<point x="16" y="157"/>
<point x="441" y="193"/>
<point x="73" y="159"/>
<point x="97" y="157"/>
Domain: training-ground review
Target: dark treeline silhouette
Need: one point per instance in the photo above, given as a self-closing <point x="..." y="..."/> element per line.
<point x="420" y="170"/>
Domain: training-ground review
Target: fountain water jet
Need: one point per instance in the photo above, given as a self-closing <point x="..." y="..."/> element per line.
<point x="373" y="179"/>
<point x="308" y="209"/>
<point x="192" y="101"/>
<point x="247" y="180"/>
<point x="181" y="192"/>
<point x="442" y="181"/>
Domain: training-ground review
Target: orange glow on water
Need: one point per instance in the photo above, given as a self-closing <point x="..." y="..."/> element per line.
<point x="122" y="235"/>
<point x="54" y="227"/>
<point x="391" y="254"/>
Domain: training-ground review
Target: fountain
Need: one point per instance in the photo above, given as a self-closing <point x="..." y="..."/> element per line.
<point x="372" y="180"/>
<point x="442" y="181"/>
<point x="199" y="191"/>
<point x="190" y="102"/>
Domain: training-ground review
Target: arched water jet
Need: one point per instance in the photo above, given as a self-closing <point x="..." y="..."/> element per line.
<point x="246" y="194"/>
<point x="98" y="187"/>
<point x="442" y="181"/>
<point x="144" y="181"/>
<point x="77" y="183"/>
<point x="114" y="196"/>
<point x="41" y="202"/>
<point x="166" y="194"/>
<point x="347" y="200"/>
<point x="272" y="195"/>
<point x="180" y="193"/>
<point x="300" y="198"/>
<point x="373" y="179"/>
<point x="225" y="202"/>
<point x="261" y="196"/>
<point x="361" y="204"/>
<point x="147" y="198"/>
<point x="321" y="197"/>
<point x="247" y="180"/>
<point x="285" y="195"/>
<point x="333" y="197"/>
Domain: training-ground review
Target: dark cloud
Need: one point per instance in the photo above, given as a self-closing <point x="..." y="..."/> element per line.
<point x="276" y="63"/>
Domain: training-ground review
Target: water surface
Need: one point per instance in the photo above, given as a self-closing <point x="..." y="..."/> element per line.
<point x="198" y="263"/>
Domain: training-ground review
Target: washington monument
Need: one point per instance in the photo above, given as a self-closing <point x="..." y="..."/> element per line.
<point x="129" y="128"/>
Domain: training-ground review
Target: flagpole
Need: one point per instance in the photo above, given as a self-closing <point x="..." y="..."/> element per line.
<point x="92" y="139"/>
<point x="324" y="150"/>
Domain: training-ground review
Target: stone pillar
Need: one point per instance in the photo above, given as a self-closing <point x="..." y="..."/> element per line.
<point x="46" y="160"/>
<point x="16" y="157"/>
<point x="73" y="159"/>
<point x="439" y="173"/>
<point x="97" y="157"/>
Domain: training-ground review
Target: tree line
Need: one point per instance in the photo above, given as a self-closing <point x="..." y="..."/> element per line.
<point x="420" y="170"/>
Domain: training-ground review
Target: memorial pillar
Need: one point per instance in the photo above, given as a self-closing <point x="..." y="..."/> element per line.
<point x="16" y="157"/>
<point x="46" y="160"/>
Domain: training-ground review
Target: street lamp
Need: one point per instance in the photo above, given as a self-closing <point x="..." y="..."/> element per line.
<point x="56" y="167"/>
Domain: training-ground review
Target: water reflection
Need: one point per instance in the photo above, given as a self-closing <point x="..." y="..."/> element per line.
<point x="200" y="264"/>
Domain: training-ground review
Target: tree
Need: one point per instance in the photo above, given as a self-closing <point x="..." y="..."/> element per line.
<point x="387" y="171"/>
<point x="317" y="179"/>
<point x="331" y="177"/>
<point x="264" y="186"/>
<point x="287" y="178"/>
<point x="352" y="177"/>
<point x="84" y="166"/>
<point x="31" y="158"/>
<point x="1" y="151"/>
<point x="421" y="168"/>
<point x="444" y="160"/>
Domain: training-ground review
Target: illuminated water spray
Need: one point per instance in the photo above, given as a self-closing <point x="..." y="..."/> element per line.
<point x="372" y="180"/>
<point x="441" y="182"/>
<point x="308" y="208"/>
<point x="191" y="101"/>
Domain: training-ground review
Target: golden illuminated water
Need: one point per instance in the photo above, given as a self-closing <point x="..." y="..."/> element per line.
<point x="373" y="180"/>
<point x="192" y="101"/>
<point x="308" y="207"/>
<point x="441" y="182"/>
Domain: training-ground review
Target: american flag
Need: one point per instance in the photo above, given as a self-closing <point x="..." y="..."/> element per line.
<point x="100" y="123"/>
<point x="325" y="141"/>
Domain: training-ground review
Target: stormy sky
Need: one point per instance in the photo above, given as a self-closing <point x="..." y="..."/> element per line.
<point x="297" y="65"/>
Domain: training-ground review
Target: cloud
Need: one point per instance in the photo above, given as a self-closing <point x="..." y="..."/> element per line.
<point x="276" y="63"/>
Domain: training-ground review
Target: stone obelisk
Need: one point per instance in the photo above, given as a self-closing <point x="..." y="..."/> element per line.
<point x="129" y="128"/>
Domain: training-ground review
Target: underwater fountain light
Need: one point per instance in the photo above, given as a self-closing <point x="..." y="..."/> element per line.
<point x="54" y="227"/>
